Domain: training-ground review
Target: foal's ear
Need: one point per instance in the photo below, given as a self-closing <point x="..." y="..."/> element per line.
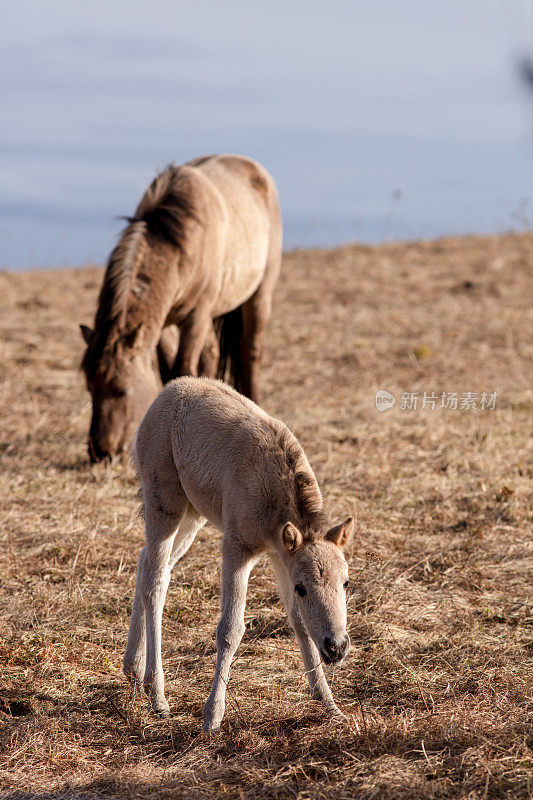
<point x="292" y="537"/>
<point x="341" y="534"/>
<point x="87" y="333"/>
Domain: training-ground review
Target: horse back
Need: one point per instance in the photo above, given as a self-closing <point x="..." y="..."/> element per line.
<point x="251" y="223"/>
<point x="235" y="463"/>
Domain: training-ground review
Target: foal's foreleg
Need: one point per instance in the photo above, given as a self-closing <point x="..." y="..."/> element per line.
<point x="236" y="567"/>
<point x="310" y="655"/>
<point x="313" y="665"/>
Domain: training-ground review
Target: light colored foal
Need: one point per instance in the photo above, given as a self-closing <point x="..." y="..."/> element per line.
<point x="204" y="452"/>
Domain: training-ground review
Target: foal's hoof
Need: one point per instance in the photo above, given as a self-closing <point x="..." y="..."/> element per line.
<point x="335" y="714"/>
<point x="160" y="708"/>
<point x="134" y="677"/>
<point x="210" y="729"/>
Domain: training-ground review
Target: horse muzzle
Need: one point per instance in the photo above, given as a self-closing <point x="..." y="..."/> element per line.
<point x="333" y="651"/>
<point x="98" y="453"/>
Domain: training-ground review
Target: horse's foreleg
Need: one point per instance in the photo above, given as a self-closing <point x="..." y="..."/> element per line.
<point x="310" y="655"/>
<point x="167" y="350"/>
<point x="236" y="567"/>
<point x="210" y="354"/>
<point x="194" y="332"/>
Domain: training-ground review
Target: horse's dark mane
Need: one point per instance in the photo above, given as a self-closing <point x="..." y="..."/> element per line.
<point x="163" y="213"/>
<point x="167" y="206"/>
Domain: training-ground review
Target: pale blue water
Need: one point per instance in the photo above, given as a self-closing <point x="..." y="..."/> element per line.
<point x="378" y="120"/>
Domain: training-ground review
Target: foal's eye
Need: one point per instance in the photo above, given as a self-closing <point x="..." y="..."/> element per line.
<point x="346" y="584"/>
<point x="301" y="590"/>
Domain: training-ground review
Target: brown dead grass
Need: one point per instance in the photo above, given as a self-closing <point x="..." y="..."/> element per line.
<point x="439" y="681"/>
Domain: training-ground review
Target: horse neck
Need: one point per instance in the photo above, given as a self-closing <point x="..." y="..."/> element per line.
<point x="149" y="303"/>
<point x="153" y="292"/>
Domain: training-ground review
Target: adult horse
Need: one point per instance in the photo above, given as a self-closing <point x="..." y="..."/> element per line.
<point x="202" y="252"/>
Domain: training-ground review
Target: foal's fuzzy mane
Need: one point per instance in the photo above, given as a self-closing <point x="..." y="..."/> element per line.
<point x="162" y="215"/>
<point x="308" y="499"/>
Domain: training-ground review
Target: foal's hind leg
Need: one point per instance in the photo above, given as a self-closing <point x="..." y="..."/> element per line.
<point x="189" y="527"/>
<point x="169" y="533"/>
<point x="160" y="535"/>
<point x="134" y="663"/>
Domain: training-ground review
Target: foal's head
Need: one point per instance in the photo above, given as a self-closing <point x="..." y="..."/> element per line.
<point x="319" y="574"/>
<point x="122" y="384"/>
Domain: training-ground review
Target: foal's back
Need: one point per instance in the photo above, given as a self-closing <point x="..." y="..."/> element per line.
<point x="234" y="463"/>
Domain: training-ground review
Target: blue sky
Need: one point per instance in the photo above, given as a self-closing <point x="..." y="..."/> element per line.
<point x="382" y="120"/>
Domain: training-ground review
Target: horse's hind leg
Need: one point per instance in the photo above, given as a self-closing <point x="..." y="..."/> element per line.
<point x="189" y="527"/>
<point x="255" y="315"/>
<point x="134" y="664"/>
<point x="153" y="574"/>
<point x="142" y="659"/>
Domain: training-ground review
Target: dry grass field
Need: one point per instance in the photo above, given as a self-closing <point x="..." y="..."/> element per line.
<point x="438" y="685"/>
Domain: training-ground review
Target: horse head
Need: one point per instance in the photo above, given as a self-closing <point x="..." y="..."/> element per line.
<point x="122" y="383"/>
<point x="319" y="574"/>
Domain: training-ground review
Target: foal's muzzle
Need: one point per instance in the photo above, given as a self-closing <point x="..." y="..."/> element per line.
<point x="334" y="650"/>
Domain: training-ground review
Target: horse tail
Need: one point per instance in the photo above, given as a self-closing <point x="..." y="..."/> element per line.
<point x="229" y="332"/>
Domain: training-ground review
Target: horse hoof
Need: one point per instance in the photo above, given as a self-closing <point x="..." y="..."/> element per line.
<point x="162" y="713"/>
<point x="211" y="729"/>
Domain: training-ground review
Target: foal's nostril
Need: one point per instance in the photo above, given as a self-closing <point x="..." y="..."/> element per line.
<point x="330" y="647"/>
<point x="345" y="646"/>
<point x="335" y="651"/>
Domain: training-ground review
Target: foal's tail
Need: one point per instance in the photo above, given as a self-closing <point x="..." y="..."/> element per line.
<point x="229" y="332"/>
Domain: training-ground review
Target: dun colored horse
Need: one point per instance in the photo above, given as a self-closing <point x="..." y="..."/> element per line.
<point x="205" y="452"/>
<point x="202" y="252"/>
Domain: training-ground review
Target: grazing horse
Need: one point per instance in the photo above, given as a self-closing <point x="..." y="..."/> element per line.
<point x="202" y="252"/>
<point x="205" y="452"/>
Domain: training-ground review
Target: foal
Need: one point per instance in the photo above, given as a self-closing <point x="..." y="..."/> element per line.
<point x="205" y="452"/>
